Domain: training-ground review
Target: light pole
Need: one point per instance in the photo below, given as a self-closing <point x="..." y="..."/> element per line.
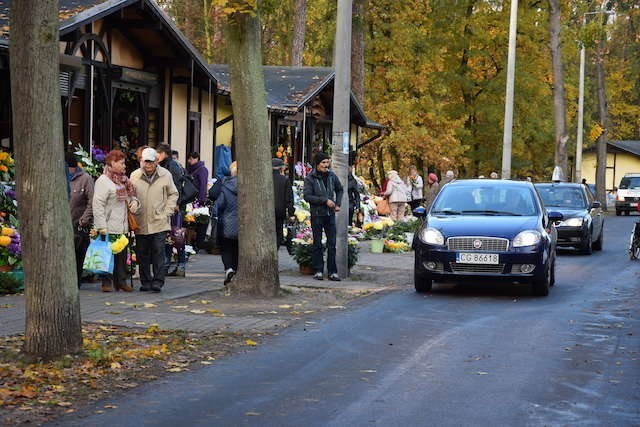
<point x="508" y="107"/>
<point x="580" y="130"/>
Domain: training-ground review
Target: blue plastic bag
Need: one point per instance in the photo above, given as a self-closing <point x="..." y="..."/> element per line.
<point x="99" y="258"/>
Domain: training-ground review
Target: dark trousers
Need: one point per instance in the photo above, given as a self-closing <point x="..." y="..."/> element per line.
<point x="229" y="253"/>
<point x="414" y="204"/>
<point x="80" y="244"/>
<point x="119" y="275"/>
<point x="328" y="224"/>
<point x="201" y="234"/>
<point x="151" y="253"/>
<point x="279" y="231"/>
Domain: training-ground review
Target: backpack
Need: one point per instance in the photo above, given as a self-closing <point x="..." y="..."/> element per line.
<point x="187" y="189"/>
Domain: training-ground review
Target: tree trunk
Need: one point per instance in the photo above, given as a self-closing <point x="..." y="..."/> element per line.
<point x="258" y="264"/>
<point x="53" y="325"/>
<point x="299" y="27"/>
<point x="207" y="16"/>
<point x="357" y="50"/>
<point x="601" y="144"/>
<point x="559" y="102"/>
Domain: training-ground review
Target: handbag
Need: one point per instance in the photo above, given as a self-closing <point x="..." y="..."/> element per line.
<point x="178" y="233"/>
<point x="187" y="189"/>
<point x="383" y="207"/>
<point x="133" y="222"/>
<point x="99" y="257"/>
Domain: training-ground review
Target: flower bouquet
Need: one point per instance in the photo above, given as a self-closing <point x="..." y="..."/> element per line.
<point x="196" y="215"/>
<point x="377" y="229"/>
<point x="10" y="249"/>
<point x="93" y="164"/>
<point x="7" y="167"/>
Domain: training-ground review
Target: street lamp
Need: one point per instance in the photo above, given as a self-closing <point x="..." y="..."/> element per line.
<point x="579" y="135"/>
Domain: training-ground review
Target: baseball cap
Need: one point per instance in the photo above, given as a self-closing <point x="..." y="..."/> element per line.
<point x="149" y="154"/>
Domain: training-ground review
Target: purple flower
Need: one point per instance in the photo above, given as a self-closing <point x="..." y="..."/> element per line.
<point x="14" y="248"/>
<point x="10" y="193"/>
<point x="98" y="154"/>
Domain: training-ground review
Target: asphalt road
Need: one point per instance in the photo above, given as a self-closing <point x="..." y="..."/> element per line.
<point x="459" y="356"/>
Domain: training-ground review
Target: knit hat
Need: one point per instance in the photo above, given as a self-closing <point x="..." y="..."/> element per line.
<point x="276" y="163"/>
<point x="433" y="177"/>
<point x="319" y="157"/>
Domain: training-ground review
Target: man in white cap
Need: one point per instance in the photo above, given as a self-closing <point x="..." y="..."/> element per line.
<point x="158" y="197"/>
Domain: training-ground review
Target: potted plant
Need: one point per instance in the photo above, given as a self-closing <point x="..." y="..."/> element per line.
<point x="303" y="250"/>
<point x="377" y="231"/>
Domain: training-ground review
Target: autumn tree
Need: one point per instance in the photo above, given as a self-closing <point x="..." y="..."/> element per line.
<point x="299" y="27"/>
<point x="53" y="325"/>
<point x="559" y="101"/>
<point x="258" y="263"/>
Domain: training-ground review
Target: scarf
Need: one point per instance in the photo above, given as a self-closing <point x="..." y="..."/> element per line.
<point x="124" y="187"/>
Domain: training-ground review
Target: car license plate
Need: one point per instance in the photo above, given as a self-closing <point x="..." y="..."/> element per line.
<point x="479" y="258"/>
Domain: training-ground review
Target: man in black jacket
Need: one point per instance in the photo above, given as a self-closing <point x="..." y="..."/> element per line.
<point x="323" y="191"/>
<point x="166" y="161"/>
<point x="283" y="198"/>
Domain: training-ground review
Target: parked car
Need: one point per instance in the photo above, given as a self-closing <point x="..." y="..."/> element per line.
<point x="582" y="224"/>
<point x="628" y="193"/>
<point x="478" y="230"/>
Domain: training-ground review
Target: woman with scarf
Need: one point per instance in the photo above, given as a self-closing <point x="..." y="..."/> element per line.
<point x="113" y="195"/>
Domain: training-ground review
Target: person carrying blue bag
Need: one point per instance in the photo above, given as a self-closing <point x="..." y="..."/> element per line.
<point x="113" y="195"/>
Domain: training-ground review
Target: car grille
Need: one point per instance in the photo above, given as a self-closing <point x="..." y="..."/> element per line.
<point x="477" y="268"/>
<point x="631" y="199"/>
<point x="467" y="244"/>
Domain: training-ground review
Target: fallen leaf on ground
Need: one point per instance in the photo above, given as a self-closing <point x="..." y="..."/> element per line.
<point x="250" y="342"/>
<point x="197" y="311"/>
<point x="148" y="305"/>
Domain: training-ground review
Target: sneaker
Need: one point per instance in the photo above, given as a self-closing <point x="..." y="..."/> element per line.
<point x="179" y="272"/>
<point x="334" y="277"/>
<point x="228" y="275"/>
<point x="318" y="276"/>
<point x="173" y="272"/>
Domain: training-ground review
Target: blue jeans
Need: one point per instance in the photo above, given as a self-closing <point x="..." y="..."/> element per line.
<point x="328" y="224"/>
<point x="150" y="252"/>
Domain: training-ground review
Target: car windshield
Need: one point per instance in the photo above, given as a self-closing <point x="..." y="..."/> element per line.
<point x="562" y="197"/>
<point x="485" y="201"/>
<point x="630" y="182"/>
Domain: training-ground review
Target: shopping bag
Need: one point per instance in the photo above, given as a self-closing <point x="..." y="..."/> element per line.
<point x="99" y="257"/>
<point x="178" y="233"/>
<point x="383" y="207"/>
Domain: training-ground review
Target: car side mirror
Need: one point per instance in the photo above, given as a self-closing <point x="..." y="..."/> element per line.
<point x="420" y="212"/>
<point x="596" y="205"/>
<point x="555" y="216"/>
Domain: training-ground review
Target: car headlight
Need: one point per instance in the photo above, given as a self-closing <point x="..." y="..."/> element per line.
<point x="432" y="236"/>
<point x="572" y="222"/>
<point x="526" y="238"/>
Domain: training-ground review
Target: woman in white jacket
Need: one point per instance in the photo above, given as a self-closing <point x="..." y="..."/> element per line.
<point x="397" y="194"/>
<point x="113" y="194"/>
<point x="415" y="185"/>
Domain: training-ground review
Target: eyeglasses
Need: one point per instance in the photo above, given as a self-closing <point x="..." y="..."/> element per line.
<point x="149" y="161"/>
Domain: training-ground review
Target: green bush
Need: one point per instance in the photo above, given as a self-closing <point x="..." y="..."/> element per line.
<point x="11" y="283"/>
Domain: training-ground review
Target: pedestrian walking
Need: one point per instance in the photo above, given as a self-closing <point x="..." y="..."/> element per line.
<point x="353" y="194"/>
<point x="448" y="177"/>
<point x="113" y="194"/>
<point x="80" y="200"/>
<point x="323" y="191"/>
<point x="283" y="198"/>
<point x="166" y="160"/>
<point x="158" y="196"/>
<point x="432" y="191"/>
<point x="225" y="209"/>
<point x="397" y="193"/>
<point x="415" y="185"/>
<point x="200" y="173"/>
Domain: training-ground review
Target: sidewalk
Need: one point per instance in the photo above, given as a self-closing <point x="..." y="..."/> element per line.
<point x="374" y="272"/>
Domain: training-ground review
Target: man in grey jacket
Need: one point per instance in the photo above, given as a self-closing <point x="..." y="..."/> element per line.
<point x="158" y="196"/>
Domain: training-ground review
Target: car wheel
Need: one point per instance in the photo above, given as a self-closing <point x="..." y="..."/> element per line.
<point x="618" y="212"/>
<point x="634" y="250"/>
<point x="597" y="245"/>
<point x="422" y="283"/>
<point x="587" y="248"/>
<point x="540" y="287"/>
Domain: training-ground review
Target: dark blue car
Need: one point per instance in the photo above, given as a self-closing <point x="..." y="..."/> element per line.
<point x="479" y="230"/>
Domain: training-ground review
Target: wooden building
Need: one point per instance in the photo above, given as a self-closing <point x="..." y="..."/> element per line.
<point x="300" y="104"/>
<point x="622" y="157"/>
<point x="128" y="77"/>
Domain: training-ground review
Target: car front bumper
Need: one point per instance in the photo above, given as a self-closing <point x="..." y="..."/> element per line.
<point x="572" y="236"/>
<point x="507" y="270"/>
